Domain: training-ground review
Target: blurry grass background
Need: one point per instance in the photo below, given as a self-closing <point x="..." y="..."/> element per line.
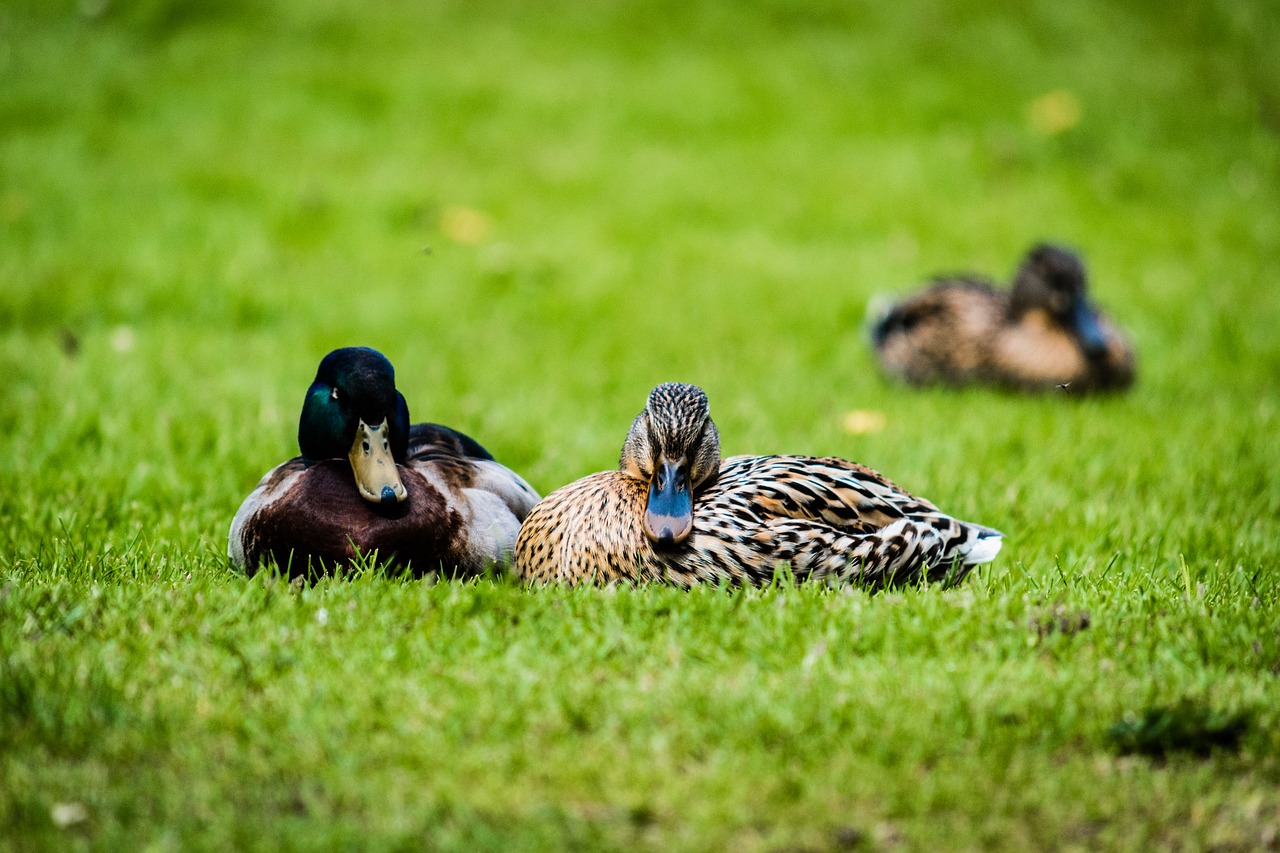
<point x="538" y="211"/>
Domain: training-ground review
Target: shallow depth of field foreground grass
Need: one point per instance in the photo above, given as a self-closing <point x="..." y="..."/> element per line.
<point x="538" y="211"/>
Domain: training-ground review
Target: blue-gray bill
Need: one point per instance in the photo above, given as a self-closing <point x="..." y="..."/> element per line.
<point x="668" y="515"/>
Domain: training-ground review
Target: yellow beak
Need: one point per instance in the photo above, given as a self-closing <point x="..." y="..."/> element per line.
<point x="377" y="477"/>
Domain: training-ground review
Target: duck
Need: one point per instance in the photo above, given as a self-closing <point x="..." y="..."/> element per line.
<point x="675" y="513"/>
<point x="419" y="498"/>
<point x="1042" y="333"/>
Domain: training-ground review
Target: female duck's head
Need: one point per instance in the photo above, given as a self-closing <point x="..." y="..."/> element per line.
<point x="353" y="409"/>
<point x="1052" y="279"/>
<point x="674" y="448"/>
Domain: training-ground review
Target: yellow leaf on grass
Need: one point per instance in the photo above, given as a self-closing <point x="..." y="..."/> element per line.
<point x="1054" y="112"/>
<point x="464" y="224"/>
<point x="863" y="421"/>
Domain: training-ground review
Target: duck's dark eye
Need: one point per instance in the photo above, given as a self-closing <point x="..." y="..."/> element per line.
<point x="333" y="395"/>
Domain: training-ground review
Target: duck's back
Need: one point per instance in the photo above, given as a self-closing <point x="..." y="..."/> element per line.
<point x="826" y="518"/>
<point x="942" y="334"/>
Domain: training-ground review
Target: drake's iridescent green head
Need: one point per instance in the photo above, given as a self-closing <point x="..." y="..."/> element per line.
<point x="1052" y="279"/>
<point x="353" y="409"/>
<point x="674" y="447"/>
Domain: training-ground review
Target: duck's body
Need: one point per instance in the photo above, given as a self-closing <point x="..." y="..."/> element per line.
<point x="827" y="519"/>
<point x="449" y="506"/>
<point x="1040" y="334"/>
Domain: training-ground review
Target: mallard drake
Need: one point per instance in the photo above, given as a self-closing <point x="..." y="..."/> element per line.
<point x="1040" y="334"/>
<point x="675" y="513"/>
<point x="424" y="497"/>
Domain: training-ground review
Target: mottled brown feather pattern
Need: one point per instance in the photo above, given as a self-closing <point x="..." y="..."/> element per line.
<point x="965" y="330"/>
<point x="827" y="518"/>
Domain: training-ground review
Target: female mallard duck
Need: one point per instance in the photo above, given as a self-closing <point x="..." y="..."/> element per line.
<point x="423" y="497"/>
<point x="675" y="513"/>
<point x="1042" y="333"/>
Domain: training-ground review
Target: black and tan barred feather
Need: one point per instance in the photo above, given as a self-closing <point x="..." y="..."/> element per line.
<point x="827" y="519"/>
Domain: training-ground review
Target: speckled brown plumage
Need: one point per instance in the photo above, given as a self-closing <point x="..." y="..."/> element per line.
<point x="826" y="518"/>
<point x="1041" y="334"/>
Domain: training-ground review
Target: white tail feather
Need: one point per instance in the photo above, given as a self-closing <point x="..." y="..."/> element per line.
<point x="984" y="548"/>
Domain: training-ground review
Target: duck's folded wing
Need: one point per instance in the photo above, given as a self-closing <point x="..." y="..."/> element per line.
<point x="430" y="440"/>
<point x="839" y="493"/>
<point x="457" y="464"/>
<point x="904" y="552"/>
<point x="510" y="487"/>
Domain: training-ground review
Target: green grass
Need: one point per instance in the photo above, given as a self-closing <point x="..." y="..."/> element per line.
<point x="196" y="205"/>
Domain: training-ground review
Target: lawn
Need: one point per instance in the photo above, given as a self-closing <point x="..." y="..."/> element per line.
<point x="539" y="211"/>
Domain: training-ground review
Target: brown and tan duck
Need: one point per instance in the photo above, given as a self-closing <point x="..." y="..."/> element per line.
<point x="425" y="497"/>
<point x="675" y="513"/>
<point x="1040" y="334"/>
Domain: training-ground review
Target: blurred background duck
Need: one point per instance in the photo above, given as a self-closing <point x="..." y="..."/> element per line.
<point x="424" y="497"/>
<point x="1041" y="334"/>
<point x="675" y="513"/>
